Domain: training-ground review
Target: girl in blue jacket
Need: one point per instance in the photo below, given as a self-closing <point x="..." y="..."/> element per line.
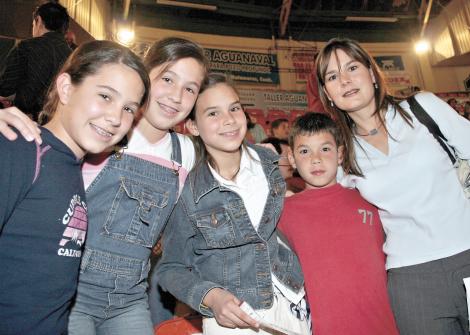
<point x="221" y="246"/>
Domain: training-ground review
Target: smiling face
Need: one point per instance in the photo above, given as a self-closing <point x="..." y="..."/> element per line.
<point x="316" y="158"/>
<point x="220" y="120"/>
<point x="175" y="87"/>
<point x="97" y="113"/>
<point x="349" y="84"/>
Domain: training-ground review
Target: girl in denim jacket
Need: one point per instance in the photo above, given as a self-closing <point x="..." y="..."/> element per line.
<point x="221" y="247"/>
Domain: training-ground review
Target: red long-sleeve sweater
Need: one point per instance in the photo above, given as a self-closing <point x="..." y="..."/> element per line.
<point x="338" y="237"/>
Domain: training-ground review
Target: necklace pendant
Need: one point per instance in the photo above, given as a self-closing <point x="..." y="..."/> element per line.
<point x="373" y="132"/>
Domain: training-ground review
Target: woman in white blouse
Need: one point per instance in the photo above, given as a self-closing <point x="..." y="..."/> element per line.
<point x="398" y="166"/>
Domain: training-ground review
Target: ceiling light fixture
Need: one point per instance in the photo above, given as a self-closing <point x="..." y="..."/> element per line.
<point x="125" y="36"/>
<point x="370" y="19"/>
<point x="187" y="4"/>
<point x="422" y="46"/>
<point x="124" y="32"/>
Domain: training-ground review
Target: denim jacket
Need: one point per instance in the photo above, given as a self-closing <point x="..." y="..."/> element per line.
<point x="210" y="242"/>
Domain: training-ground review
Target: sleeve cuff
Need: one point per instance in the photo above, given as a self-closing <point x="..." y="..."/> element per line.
<point x="198" y="296"/>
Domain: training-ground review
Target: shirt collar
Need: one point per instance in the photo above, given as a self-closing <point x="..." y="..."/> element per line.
<point x="247" y="167"/>
<point x="247" y="162"/>
<point x="202" y="181"/>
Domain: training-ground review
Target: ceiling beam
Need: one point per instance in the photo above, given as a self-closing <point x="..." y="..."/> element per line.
<point x="426" y="18"/>
<point x="284" y="17"/>
<point x="258" y="29"/>
<point x="127" y="4"/>
<point x="301" y="15"/>
<point x="364" y="5"/>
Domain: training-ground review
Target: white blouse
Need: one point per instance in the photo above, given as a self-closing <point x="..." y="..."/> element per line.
<point x="421" y="202"/>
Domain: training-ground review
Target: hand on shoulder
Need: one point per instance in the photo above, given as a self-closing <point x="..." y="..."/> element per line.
<point x="12" y="117"/>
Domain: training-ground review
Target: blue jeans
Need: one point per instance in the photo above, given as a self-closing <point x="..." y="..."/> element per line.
<point x="131" y="320"/>
<point x="121" y="309"/>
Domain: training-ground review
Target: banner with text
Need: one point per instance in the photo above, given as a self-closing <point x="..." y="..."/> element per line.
<point x="245" y="66"/>
<point x="266" y="106"/>
<point x="304" y="64"/>
<point x="390" y="63"/>
<point x="269" y="100"/>
<point x="398" y="80"/>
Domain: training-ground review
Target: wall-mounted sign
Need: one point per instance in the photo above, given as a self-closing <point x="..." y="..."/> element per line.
<point x="397" y="79"/>
<point x="245" y="66"/>
<point x="304" y="64"/>
<point x="267" y="100"/>
<point x="266" y="106"/>
<point x="390" y="63"/>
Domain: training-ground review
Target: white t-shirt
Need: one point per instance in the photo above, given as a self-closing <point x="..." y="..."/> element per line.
<point x="421" y="203"/>
<point x="158" y="153"/>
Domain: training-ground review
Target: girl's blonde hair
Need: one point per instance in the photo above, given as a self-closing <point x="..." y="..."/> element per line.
<point x="382" y="97"/>
<point x="87" y="60"/>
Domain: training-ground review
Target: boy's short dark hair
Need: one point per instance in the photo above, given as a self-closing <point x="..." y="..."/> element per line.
<point x="54" y="16"/>
<point x="314" y="123"/>
<point x="276" y="123"/>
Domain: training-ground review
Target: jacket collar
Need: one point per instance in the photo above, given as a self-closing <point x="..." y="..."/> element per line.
<point x="54" y="35"/>
<point x="202" y="181"/>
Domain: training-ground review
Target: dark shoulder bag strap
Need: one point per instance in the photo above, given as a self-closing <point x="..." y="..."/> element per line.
<point x="429" y="123"/>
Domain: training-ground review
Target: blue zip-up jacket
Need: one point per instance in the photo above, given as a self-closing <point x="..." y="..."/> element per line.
<point x="210" y="242"/>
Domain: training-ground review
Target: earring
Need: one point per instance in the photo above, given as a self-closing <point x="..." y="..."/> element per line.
<point x="331" y="103"/>
<point x="376" y="86"/>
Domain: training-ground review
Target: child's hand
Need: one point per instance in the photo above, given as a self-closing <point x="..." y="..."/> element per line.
<point x="227" y="311"/>
<point x="13" y="117"/>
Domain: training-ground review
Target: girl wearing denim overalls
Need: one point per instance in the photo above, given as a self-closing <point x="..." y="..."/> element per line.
<point x="131" y="195"/>
<point x="221" y="247"/>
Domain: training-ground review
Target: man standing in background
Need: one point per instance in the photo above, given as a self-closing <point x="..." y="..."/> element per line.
<point x="33" y="63"/>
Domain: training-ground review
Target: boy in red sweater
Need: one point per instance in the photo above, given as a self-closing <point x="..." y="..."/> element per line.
<point x="337" y="235"/>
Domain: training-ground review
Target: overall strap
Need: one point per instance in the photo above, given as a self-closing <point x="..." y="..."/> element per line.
<point x="433" y="128"/>
<point x="175" y="148"/>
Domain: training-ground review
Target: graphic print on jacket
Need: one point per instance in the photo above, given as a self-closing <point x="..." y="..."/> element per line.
<point x="76" y="221"/>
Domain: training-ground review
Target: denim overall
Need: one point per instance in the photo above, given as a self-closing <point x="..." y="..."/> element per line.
<point x="129" y="203"/>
